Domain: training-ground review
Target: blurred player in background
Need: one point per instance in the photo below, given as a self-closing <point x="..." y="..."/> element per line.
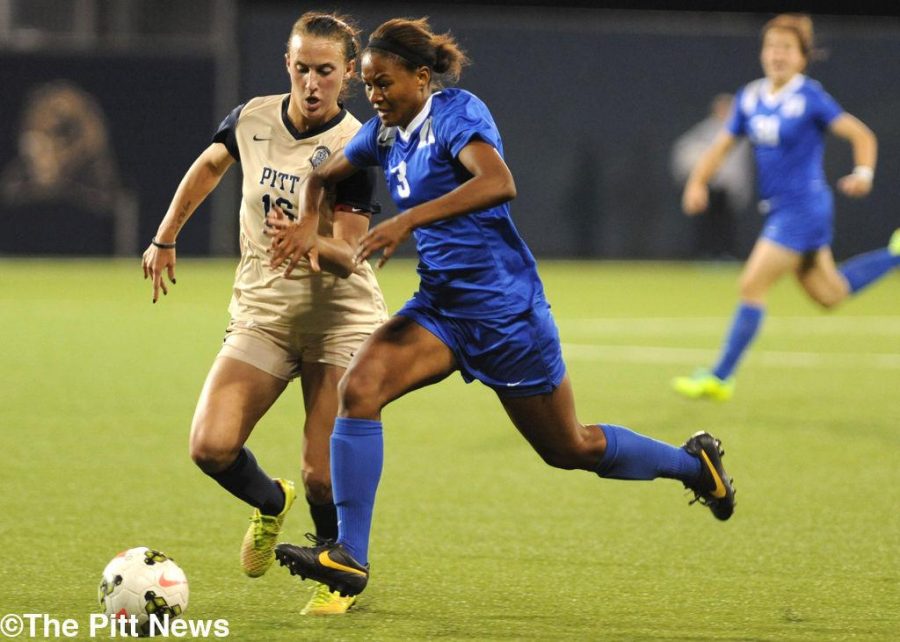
<point x="480" y="308"/>
<point x="786" y="116"/>
<point x="730" y="190"/>
<point x="309" y="325"/>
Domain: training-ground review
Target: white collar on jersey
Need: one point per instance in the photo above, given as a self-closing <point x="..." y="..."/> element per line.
<point x="418" y="120"/>
<point x="771" y="99"/>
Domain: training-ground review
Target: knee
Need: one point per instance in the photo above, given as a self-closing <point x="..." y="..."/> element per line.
<point x="318" y="488"/>
<point x="828" y="301"/>
<point x="360" y="394"/>
<point x="750" y="292"/>
<point x="826" y="304"/>
<point x="211" y="457"/>
<point x="212" y="460"/>
<point x="580" y="449"/>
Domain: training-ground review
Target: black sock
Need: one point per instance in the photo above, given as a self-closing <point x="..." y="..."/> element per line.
<point x="324" y="518"/>
<point x="246" y="480"/>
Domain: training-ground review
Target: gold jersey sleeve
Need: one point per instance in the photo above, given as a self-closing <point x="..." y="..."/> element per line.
<point x="275" y="160"/>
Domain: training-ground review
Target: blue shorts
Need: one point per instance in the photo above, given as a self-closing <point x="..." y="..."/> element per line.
<point x="802" y="225"/>
<point x="517" y="356"/>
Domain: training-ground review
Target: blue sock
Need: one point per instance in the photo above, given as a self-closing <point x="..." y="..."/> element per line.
<point x="865" y="269"/>
<point x="246" y="480"/>
<point x="357" y="455"/>
<point x="746" y="322"/>
<point x="632" y="456"/>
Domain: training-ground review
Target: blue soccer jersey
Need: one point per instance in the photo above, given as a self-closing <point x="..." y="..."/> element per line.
<point x="787" y="131"/>
<point x="471" y="266"/>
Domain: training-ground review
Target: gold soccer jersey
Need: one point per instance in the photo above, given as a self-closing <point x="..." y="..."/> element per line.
<point x="275" y="159"/>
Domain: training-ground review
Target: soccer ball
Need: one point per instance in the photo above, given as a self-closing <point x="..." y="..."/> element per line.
<point x="141" y="582"/>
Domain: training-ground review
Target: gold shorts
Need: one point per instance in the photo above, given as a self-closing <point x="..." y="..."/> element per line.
<point x="281" y="351"/>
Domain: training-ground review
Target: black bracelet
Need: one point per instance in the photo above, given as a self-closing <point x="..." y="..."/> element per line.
<point x="162" y="246"/>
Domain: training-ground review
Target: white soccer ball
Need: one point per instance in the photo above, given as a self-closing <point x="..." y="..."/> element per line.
<point x="142" y="582"/>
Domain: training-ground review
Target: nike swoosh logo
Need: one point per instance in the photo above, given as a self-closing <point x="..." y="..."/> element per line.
<point x="255" y="137"/>
<point x="324" y="560"/>
<point x="166" y="583"/>
<point x="514" y="383"/>
<point x="719" y="491"/>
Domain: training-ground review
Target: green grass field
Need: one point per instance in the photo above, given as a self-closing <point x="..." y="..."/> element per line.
<point x="474" y="537"/>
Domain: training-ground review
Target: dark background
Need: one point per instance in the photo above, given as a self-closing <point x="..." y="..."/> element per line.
<point x="588" y="101"/>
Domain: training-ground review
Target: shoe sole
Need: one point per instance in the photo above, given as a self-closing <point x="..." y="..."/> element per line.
<point x="293" y="566"/>
<point x="727" y="482"/>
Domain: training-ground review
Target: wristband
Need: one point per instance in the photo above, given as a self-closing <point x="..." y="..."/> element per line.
<point x="162" y="246"/>
<point x="864" y="172"/>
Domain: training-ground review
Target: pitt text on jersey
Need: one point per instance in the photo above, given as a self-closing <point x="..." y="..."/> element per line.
<point x="281" y="181"/>
<point x="277" y="179"/>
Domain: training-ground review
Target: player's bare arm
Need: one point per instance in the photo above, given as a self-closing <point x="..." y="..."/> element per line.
<point x="335" y="254"/>
<point x="200" y="179"/>
<point x="294" y="241"/>
<point x="865" y="154"/>
<point x="696" y="191"/>
<point x="491" y="184"/>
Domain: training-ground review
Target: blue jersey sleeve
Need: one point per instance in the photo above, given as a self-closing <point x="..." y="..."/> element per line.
<point x="823" y="108"/>
<point x="362" y="150"/>
<point x="466" y="119"/>
<point x="225" y="134"/>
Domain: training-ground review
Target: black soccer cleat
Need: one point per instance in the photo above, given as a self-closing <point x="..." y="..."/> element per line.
<point x="327" y="562"/>
<point x="714" y="488"/>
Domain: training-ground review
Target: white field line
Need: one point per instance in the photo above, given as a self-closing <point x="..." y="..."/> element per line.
<point x="802" y="325"/>
<point x="598" y="329"/>
<point x="690" y="356"/>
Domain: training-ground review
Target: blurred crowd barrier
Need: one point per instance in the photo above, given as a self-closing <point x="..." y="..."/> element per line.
<point x="589" y="102"/>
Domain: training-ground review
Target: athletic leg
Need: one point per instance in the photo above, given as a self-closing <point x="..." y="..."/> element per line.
<point x="319" y="382"/>
<point x="768" y="262"/>
<point x="550" y="425"/>
<point x="829" y="285"/>
<point x="397" y="358"/>
<point x="234" y="398"/>
<point x="320" y="399"/>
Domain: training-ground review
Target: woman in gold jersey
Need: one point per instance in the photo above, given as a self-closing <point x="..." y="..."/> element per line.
<point x="308" y="325"/>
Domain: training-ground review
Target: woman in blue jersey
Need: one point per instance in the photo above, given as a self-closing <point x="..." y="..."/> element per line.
<point x="480" y="308"/>
<point x="786" y="116"/>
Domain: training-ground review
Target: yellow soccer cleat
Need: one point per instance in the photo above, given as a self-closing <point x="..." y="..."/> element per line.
<point x="258" y="547"/>
<point x="702" y="384"/>
<point x="324" y="601"/>
<point x="894" y="243"/>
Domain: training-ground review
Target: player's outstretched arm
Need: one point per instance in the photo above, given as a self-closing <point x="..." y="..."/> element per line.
<point x="334" y="255"/>
<point x="294" y="241"/>
<point x="695" y="198"/>
<point x="491" y="184"/>
<point x="865" y="154"/>
<point x="200" y="179"/>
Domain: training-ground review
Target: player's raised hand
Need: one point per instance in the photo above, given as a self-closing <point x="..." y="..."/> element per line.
<point x="385" y="236"/>
<point x="154" y="261"/>
<point x="291" y="242"/>
<point x="695" y="198"/>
